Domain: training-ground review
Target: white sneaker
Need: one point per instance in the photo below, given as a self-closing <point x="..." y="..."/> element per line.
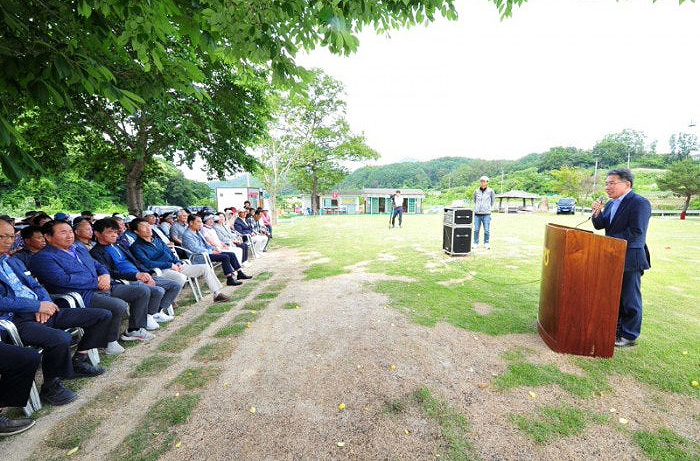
<point x="475" y="246"/>
<point x="113" y="348"/>
<point x="487" y="246"/>
<point x="151" y="323"/>
<point x="140" y="334"/>
<point x="170" y="311"/>
<point x="162" y="317"/>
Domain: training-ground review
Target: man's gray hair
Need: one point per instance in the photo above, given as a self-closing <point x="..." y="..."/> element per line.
<point x="624" y="173"/>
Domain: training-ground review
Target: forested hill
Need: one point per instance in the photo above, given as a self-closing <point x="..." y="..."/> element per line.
<point x="426" y="175"/>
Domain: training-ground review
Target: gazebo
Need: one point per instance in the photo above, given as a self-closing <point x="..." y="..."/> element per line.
<point x="516" y="195"/>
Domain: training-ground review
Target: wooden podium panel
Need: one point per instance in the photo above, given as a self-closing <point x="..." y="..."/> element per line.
<point x="580" y="290"/>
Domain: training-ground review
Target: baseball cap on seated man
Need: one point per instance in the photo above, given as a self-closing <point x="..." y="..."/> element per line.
<point x="484" y="178"/>
<point x="148" y="213"/>
<point x="61" y="216"/>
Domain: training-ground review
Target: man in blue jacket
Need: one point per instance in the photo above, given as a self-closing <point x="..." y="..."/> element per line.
<point x="41" y="323"/>
<point x="154" y="253"/>
<point x="626" y="216"/>
<point x="193" y="240"/>
<point x="63" y="267"/>
<point x="123" y="265"/>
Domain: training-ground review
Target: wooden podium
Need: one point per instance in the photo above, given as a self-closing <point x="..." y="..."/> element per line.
<point x="580" y="291"/>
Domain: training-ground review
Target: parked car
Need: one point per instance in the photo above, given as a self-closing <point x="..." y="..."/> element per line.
<point x="160" y="209"/>
<point x="198" y="208"/>
<point x="566" y="205"/>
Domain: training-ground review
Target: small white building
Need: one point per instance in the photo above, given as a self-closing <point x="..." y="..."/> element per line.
<point x="235" y="196"/>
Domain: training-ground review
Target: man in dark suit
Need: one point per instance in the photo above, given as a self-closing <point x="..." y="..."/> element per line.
<point x="626" y="216"/>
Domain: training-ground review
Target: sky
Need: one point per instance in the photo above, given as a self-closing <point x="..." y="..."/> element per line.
<point x="559" y="72"/>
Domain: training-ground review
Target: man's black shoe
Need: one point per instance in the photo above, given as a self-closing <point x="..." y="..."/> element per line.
<point x="233" y="282"/>
<point x="624" y="342"/>
<point x="242" y="276"/>
<point x="56" y="393"/>
<point x="14" y="426"/>
<point x="82" y="367"/>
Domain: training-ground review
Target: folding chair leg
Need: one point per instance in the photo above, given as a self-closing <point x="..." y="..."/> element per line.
<point x="34" y="397"/>
<point x="199" y="288"/>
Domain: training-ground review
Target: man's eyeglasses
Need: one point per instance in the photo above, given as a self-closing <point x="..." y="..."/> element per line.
<point x="612" y="183"/>
<point x="7" y="236"/>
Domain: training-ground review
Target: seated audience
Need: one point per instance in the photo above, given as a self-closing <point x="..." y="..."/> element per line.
<point x="41" y="323"/>
<point x="123" y="265"/>
<point x="125" y="236"/>
<point x="17" y="369"/>
<point x="166" y="222"/>
<point x="83" y="233"/>
<point x="62" y="216"/>
<point x="267" y="222"/>
<point x="64" y="267"/>
<point x="179" y="227"/>
<point x="194" y="241"/>
<point x="87" y="214"/>
<point x="231" y="237"/>
<point x="153" y="253"/>
<point x="33" y="241"/>
<point x="257" y="241"/>
<point x="259" y="227"/>
<point x="212" y="237"/>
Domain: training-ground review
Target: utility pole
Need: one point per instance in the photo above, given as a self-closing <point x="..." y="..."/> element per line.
<point x="501" y="181"/>
<point x="595" y="178"/>
<point x="628" y="160"/>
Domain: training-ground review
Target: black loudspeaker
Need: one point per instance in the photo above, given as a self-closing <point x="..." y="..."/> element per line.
<point x="457" y="240"/>
<point x="458" y="216"/>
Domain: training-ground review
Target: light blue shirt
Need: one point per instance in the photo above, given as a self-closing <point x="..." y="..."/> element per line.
<point x="20" y="289"/>
<point x="616" y="204"/>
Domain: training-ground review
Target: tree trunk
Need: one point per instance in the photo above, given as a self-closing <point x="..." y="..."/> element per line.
<point x="273" y="207"/>
<point x="315" y="205"/>
<point x="687" y="202"/>
<point x="134" y="188"/>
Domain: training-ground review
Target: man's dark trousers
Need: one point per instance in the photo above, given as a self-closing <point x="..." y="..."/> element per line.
<point x="56" y="342"/>
<point x="629" y="321"/>
<point x="17" y="369"/>
<point x="398" y="210"/>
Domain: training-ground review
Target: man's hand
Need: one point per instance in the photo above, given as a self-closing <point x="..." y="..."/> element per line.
<point x="597" y="206"/>
<point x="47" y="308"/>
<point x="177" y="267"/>
<point x="104" y="282"/>
<point x="215" y="251"/>
<point x="145" y="277"/>
<point x="41" y="317"/>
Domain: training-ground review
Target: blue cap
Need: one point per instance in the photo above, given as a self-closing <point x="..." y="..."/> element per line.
<point x="61" y="216"/>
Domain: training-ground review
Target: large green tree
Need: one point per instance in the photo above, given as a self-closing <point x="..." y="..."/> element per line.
<point x="683" y="179"/>
<point x="682" y="145"/>
<point x="177" y="126"/>
<point x="52" y="51"/>
<point x="319" y="137"/>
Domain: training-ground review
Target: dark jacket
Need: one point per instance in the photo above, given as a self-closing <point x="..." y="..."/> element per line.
<point x="100" y="253"/>
<point x="60" y="272"/>
<point x="242" y="227"/>
<point x="154" y="253"/>
<point x="629" y="223"/>
<point x="10" y="305"/>
<point x="23" y="255"/>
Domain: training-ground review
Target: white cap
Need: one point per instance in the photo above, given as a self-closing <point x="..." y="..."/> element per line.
<point x="484" y="178"/>
<point x="148" y="213"/>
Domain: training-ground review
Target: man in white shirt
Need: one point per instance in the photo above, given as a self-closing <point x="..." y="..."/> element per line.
<point x="397" y="201"/>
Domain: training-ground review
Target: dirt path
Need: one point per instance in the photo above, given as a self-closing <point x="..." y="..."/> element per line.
<point x="344" y="345"/>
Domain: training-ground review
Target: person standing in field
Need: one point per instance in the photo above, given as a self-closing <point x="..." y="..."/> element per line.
<point x="397" y="202"/>
<point x="484" y="198"/>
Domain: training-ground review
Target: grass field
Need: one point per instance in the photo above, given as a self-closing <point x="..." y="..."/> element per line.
<point x="506" y="281"/>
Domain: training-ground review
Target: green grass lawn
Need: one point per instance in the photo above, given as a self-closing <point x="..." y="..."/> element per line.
<point x="505" y="280"/>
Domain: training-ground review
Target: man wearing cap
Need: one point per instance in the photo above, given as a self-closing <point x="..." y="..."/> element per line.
<point x="484" y="198"/>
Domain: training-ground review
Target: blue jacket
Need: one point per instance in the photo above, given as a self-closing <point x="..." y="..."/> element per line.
<point x="242" y="227"/>
<point x="195" y="242"/>
<point x="60" y="272"/>
<point x="154" y="253"/>
<point x="629" y="223"/>
<point x="10" y="305"/>
<point x="100" y="253"/>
